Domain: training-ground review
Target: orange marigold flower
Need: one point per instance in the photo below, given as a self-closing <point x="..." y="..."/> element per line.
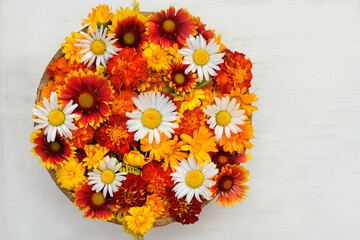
<point x="51" y="153"/>
<point x="94" y="204"/>
<point x="231" y="185"/>
<point x="82" y="136"/>
<point x="71" y="175"/>
<point x="122" y="102"/>
<point x="70" y="50"/>
<point x="235" y="72"/>
<point x="245" y="99"/>
<point x="126" y="69"/>
<point x="238" y="142"/>
<point x="129" y="28"/>
<point x="94" y="155"/>
<point x="159" y="181"/>
<point x="169" y="27"/>
<point x="100" y="15"/>
<point x="202" y="142"/>
<point x="58" y="69"/>
<point x="45" y="93"/>
<point x="92" y="92"/>
<point x="157" y="151"/>
<point x="132" y="193"/>
<point x="182" y="211"/>
<point x="155" y="204"/>
<point x="152" y="83"/>
<point x="190" y="121"/>
<point x="114" y="135"/>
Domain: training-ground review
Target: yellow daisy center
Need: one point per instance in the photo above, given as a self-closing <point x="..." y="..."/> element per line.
<point x="169" y="25"/>
<point x="56" y="117"/>
<point x="194" y="178"/>
<point x="223" y="159"/>
<point x="223" y="118"/>
<point x="108" y="176"/>
<point x="129" y="38"/>
<point x="201" y="57"/>
<point x="151" y="118"/>
<point x="86" y="100"/>
<point x="55" y="146"/>
<point x="98" y="198"/>
<point x="179" y="78"/>
<point x="98" y="47"/>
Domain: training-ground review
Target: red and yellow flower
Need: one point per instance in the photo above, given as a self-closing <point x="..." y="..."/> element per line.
<point x="51" y="153"/>
<point x="230" y="185"/>
<point x="94" y="204"/>
<point x="170" y="26"/>
<point x="178" y="80"/>
<point x="92" y="92"/>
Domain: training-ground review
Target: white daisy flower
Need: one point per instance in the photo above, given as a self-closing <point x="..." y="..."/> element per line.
<point x="225" y="116"/>
<point x="191" y="180"/>
<point x="107" y="178"/>
<point x="155" y="116"/>
<point x="53" y="119"/>
<point x="201" y="57"/>
<point x="97" y="47"/>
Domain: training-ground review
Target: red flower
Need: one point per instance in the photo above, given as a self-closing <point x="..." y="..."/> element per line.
<point x="52" y="153"/>
<point x="159" y="181"/>
<point x="182" y="211"/>
<point x="114" y="135"/>
<point x="170" y="27"/>
<point x="94" y="204"/>
<point x="235" y="72"/>
<point x="126" y="69"/>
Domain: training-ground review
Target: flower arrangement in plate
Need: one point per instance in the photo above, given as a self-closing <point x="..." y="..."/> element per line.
<point x="143" y="118"/>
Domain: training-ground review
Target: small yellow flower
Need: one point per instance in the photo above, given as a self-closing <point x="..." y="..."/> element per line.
<point x="94" y="155"/>
<point x="245" y="99"/>
<point x="134" y="158"/>
<point x="70" y="50"/>
<point x="140" y="219"/>
<point x="174" y="155"/>
<point x="71" y="175"/>
<point x="100" y="15"/>
<point x="156" y="57"/>
<point x="157" y="151"/>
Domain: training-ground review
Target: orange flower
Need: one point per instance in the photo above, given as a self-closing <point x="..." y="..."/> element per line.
<point x="100" y="15"/>
<point x="159" y="181"/>
<point x="123" y="103"/>
<point x="190" y="121"/>
<point x="82" y="136"/>
<point x="207" y="34"/>
<point x="70" y="50"/>
<point x="238" y="142"/>
<point x="235" y="72"/>
<point x="244" y="99"/>
<point x="174" y="155"/>
<point x="231" y="185"/>
<point x="126" y="69"/>
<point x="156" y="205"/>
<point x="60" y="67"/>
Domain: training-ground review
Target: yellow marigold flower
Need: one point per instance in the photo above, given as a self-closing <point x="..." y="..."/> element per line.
<point x="134" y="158"/>
<point x="156" y="151"/>
<point x="70" y="50"/>
<point x="202" y="142"/>
<point x="210" y="94"/>
<point x="100" y="15"/>
<point x="238" y="142"/>
<point x="156" y="205"/>
<point x="245" y="99"/>
<point x="174" y="155"/>
<point x="71" y="175"/>
<point x="191" y="99"/>
<point x="94" y="155"/>
<point x="156" y="57"/>
<point x="140" y="219"/>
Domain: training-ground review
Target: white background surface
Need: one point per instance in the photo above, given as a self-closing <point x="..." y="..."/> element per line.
<point x="305" y="166"/>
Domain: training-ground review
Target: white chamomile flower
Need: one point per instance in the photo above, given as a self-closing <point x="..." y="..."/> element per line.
<point x="225" y="116"/>
<point x="191" y="180"/>
<point x="97" y="47"/>
<point x="155" y="116"/>
<point x="107" y="178"/>
<point x="53" y="119"/>
<point x="202" y="57"/>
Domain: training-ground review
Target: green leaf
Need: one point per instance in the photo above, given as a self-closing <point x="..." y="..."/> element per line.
<point x="203" y="83"/>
